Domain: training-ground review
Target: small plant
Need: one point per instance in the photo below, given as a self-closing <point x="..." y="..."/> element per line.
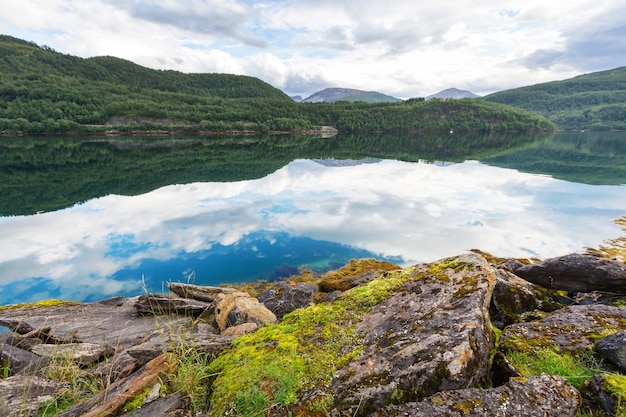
<point x="80" y="385"/>
<point x="575" y="369"/>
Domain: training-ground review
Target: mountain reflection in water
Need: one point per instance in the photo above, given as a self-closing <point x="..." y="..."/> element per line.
<point x="306" y="213"/>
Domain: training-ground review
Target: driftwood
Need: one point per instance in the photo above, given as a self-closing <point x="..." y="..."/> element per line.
<point x="197" y="292"/>
<point x="118" y="393"/>
<point x="154" y="304"/>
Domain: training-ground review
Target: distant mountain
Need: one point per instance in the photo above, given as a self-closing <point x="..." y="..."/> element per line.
<point x="331" y="95"/>
<point x="590" y="101"/>
<point x="453" y="93"/>
<point x="296" y="98"/>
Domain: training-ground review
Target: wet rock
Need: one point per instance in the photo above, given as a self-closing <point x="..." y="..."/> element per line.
<point x="577" y="273"/>
<point x="540" y="396"/>
<point x="237" y="308"/>
<point x="431" y="335"/>
<point x="286" y="297"/>
<point x="514" y="298"/>
<point x="23" y="395"/>
<point x="156" y="304"/>
<point x="570" y="329"/>
<point x="613" y="348"/>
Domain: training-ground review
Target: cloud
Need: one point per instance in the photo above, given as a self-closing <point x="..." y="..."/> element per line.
<point x="416" y="211"/>
<point x="407" y="49"/>
<point x="218" y="18"/>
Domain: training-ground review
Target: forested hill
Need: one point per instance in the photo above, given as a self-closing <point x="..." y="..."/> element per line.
<point x="25" y="62"/>
<point x="43" y="91"/>
<point x="591" y="101"/>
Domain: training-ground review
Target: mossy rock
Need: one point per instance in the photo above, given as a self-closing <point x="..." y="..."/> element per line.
<point x="356" y="272"/>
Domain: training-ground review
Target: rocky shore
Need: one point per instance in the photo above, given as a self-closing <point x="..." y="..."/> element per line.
<point x="470" y="335"/>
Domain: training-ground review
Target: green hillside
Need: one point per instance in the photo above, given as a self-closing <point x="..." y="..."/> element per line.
<point x="43" y="91"/>
<point x="591" y="101"/>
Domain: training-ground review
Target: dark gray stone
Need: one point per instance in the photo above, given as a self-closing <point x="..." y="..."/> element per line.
<point x="21" y="361"/>
<point x="284" y="297"/>
<point x="537" y="396"/>
<point x="21" y="396"/>
<point x="570" y="329"/>
<point x="613" y="348"/>
<point x="577" y="273"/>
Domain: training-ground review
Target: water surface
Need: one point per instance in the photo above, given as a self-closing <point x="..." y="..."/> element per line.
<point x="317" y="212"/>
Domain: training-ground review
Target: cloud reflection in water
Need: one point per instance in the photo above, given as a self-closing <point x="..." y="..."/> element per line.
<point x="413" y="211"/>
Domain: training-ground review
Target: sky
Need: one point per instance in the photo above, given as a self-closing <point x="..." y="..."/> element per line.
<point x="419" y="212"/>
<point x="403" y="48"/>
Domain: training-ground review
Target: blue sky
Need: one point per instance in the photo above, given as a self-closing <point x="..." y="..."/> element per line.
<point x="404" y="48"/>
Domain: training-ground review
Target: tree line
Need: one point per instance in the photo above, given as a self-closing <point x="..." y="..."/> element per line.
<point x="42" y="91"/>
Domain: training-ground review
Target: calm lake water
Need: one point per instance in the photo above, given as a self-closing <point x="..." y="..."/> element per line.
<point x="89" y="218"/>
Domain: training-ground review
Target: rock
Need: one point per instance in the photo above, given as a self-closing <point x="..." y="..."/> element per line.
<point x="113" y="325"/>
<point x="21" y="361"/>
<point x="570" y="329"/>
<point x="514" y="298"/>
<point x="240" y="330"/>
<point x="613" y="348"/>
<point x="577" y="273"/>
<point x="285" y="297"/>
<point x="23" y="395"/>
<point x="159" y="342"/>
<point x="197" y="292"/>
<point x="84" y="354"/>
<point x="432" y="335"/>
<point x="540" y="396"/>
<point x="356" y="272"/>
<point x="237" y="308"/>
<point x="502" y="370"/>
<point x="170" y="406"/>
<point x="155" y="304"/>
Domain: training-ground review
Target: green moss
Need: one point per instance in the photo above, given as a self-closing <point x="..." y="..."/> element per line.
<point x="337" y="280"/>
<point x="137" y="401"/>
<point x="467" y="407"/>
<point x="264" y="371"/>
<point x="42" y="303"/>
<point x="439" y="269"/>
<point x="616" y="385"/>
<point x="322" y="403"/>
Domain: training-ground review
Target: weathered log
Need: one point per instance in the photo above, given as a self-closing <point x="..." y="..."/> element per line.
<point x="122" y="391"/>
<point x="155" y="304"/>
<point x="197" y="292"/>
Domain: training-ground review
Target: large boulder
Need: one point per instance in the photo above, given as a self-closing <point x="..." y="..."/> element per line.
<point x="399" y="338"/>
<point x="539" y="396"/>
<point x="285" y="297"/>
<point x="236" y="308"/>
<point x="577" y="273"/>
<point x="571" y="329"/>
<point x="432" y="334"/>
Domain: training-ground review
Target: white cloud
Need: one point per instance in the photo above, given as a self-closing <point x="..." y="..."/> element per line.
<point x="407" y="49"/>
